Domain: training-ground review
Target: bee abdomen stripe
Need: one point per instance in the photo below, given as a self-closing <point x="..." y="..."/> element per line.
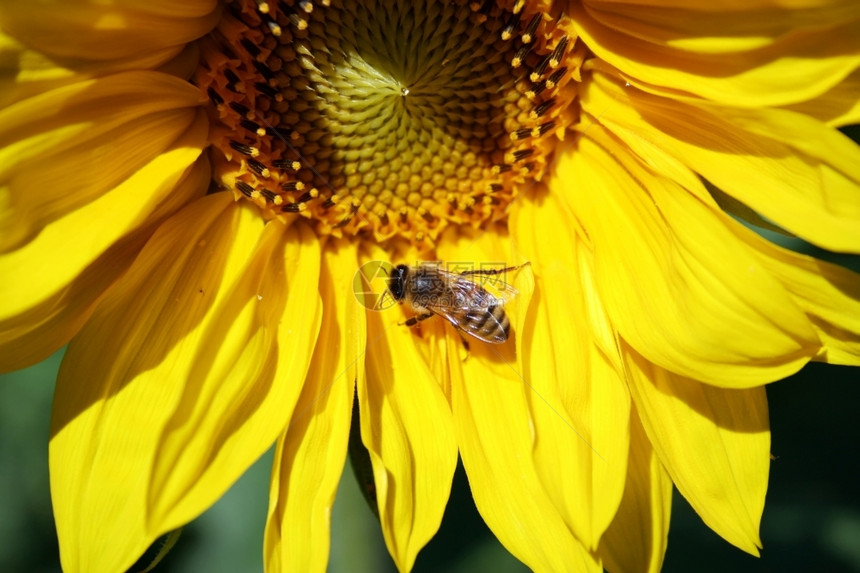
<point x="498" y="315"/>
<point x="478" y="320"/>
<point x="505" y="324"/>
<point x="482" y="326"/>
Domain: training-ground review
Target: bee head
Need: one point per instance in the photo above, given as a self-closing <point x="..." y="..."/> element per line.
<point x="397" y="282"/>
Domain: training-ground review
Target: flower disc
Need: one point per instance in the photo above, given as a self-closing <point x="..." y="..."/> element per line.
<point x="389" y="126"/>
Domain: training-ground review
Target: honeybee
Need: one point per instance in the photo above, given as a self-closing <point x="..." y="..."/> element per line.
<point x="429" y="290"/>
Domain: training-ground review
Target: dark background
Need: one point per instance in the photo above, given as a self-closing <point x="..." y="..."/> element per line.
<point x="811" y="519"/>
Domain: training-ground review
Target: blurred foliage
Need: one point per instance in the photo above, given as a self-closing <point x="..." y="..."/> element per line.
<point x="811" y="520"/>
<point x="27" y="538"/>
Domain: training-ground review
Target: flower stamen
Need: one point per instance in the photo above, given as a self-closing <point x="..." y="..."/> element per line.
<point x="367" y="125"/>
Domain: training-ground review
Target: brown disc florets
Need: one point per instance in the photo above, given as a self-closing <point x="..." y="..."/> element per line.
<point x="386" y="118"/>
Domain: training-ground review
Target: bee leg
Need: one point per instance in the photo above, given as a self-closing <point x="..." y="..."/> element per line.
<point x="416" y="319"/>
<point x="490" y="272"/>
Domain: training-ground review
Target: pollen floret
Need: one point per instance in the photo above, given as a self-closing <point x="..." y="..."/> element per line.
<point x="364" y="125"/>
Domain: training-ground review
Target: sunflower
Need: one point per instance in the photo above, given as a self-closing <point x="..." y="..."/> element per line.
<point x="219" y="171"/>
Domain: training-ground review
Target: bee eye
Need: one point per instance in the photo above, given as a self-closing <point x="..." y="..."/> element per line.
<point x="396" y="282"/>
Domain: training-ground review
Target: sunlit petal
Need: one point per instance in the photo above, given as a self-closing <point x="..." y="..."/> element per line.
<point x="579" y="404"/>
<point x="494" y="412"/>
<point x="26" y="72"/>
<point x="406" y="426"/>
<point x="637" y="538"/>
<point x="756" y="156"/>
<point x="76" y="30"/>
<point x="309" y="459"/>
<point x="496" y="440"/>
<point x="78" y="256"/>
<point x="750" y="55"/>
<point x="714" y="442"/>
<point x="827" y="293"/>
<point x="201" y="368"/>
<point x="65" y="148"/>
<point x="699" y="304"/>
<point x="836" y="107"/>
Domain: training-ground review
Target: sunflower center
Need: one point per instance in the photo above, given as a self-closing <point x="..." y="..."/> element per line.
<point x="386" y="118"/>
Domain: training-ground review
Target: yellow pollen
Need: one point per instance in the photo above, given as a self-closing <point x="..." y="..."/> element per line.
<point x="315" y="115"/>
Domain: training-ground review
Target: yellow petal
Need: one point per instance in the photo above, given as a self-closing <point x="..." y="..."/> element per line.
<point x="790" y="168"/>
<point x="748" y="55"/>
<point x="837" y="107"/>
<point x="26" y="72"/>
<point x="76" y="30"/>
<point x="55" y="279"/>
<point x="494" y="431"/>
<point x="185" y="374"/>
<point x="827" y="293"/>
<point x="636" y="540"/>
<point x="66" y="148"/>
<point x="714" y="442"/>
<point x="235" y="413"/>
<point x="309" y="459"/>
<point x="495" y="406"/>
<point x="406" y="427"/>
<point x="693" y="298"/>
<point x="579" y="404"/>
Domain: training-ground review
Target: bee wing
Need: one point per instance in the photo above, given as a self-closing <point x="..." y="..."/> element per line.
<point x="474" y="310"/>
<point x="502" y="291"/>
<point x="494" y="283"/>
<point x="488" y="279"/>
